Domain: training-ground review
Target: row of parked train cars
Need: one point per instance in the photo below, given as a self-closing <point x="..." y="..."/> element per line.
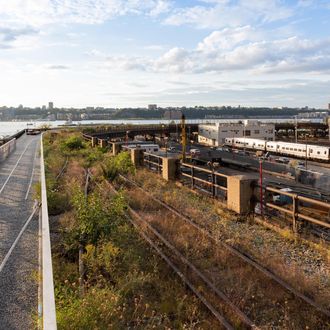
<point x="298" y="150"/>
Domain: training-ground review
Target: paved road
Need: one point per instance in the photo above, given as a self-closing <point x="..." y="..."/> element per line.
<point x="18" y="276"/>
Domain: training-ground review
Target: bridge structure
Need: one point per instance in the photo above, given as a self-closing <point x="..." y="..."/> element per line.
<point x="131" y="131"/>
<point x="113" y="132"/>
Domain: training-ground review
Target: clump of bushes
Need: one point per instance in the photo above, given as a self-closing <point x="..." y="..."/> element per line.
<point x="120" y="164"/>
<point x="73" y="143"/>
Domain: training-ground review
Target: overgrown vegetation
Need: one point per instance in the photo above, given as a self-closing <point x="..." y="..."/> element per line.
<point x="304" y="267"/>
<point x="106" y="276"/>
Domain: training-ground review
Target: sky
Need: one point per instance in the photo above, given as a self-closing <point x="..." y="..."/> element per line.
<point x="129" y="53"/>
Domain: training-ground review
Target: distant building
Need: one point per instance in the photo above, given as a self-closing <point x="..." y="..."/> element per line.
<point x="152" y="107"/>
<point x="314" y="114"/>
<point x="172" y="114"/>
<point x="328" y="106"/>
<point x="215" y="134"/>
<point x="61" y="116"/>
<point x="50" y="105"/>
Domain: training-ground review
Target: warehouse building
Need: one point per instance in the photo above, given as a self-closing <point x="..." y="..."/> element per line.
<point x="215" y="134"/>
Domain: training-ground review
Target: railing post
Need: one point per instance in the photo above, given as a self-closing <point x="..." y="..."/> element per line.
<point x="213" y="182"/>
<point x="192" y="177"/>
<point x="294" y="213"/>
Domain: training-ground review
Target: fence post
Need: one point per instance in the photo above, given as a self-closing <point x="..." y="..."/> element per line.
<point x="294" y="213"/>
<point x="192" y="177"/>
<point x="213" y="182"/>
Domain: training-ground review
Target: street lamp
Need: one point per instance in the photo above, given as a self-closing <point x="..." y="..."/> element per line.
<point x="162" y="137"/>
<point x="261" y="191"/>
<point x="166" y="146"/>
<point x="306" y="157"/>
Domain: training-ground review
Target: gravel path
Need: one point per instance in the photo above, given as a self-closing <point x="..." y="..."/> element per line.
<point x="18" y="279"/>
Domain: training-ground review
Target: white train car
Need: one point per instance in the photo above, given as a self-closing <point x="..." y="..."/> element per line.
<point x="290" y="149"/>
<point x="248" y="143"/>
<point x="150" y="148"/>
<point x="318" y="152"/>
<point x="298" y="150"/>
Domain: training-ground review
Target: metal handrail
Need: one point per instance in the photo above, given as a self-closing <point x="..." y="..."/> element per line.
<point x="295" y="211"/>
<point x="48" y="297"/>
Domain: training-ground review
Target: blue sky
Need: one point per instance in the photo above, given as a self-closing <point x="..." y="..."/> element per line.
<point x="120" y="53"/>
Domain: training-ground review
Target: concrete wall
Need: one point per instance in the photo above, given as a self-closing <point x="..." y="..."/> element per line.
<point x="239" y="194"/>
<point x="137" y="157"/>
<point x="169" y="168"/>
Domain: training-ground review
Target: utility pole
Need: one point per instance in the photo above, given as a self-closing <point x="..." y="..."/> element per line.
<point x="296" y="128"/>
<point x="261" y="191"/>
<point x="306" y="156"/>
<point x="184" y="137"/>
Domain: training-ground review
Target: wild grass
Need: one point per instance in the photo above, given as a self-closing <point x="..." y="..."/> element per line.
<point x="125" y="284"/>
<point x="304" y="267"/>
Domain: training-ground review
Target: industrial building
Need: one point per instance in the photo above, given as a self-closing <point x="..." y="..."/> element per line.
<point x="215" y="134"/>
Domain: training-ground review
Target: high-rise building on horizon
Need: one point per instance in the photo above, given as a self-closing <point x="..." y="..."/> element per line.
<point x="50" y="105"/>
<point x="152" y="107"/>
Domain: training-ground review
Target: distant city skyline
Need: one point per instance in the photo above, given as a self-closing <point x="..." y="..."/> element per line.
<point x="117" y="53"/>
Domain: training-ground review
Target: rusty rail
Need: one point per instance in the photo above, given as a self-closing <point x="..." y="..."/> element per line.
<point x="231" y="249"/>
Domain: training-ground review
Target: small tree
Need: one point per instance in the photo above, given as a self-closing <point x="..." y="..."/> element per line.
<point x="94" y="218"/>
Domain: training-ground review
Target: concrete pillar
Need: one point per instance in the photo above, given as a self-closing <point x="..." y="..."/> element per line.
<point x="169" y="168"/>
<point x="103" y="143"/>
<point x="137" y="157"/>
<point x="94" y="141"/>
<point x="116" y="148"/>
<point x="239" y="194"/>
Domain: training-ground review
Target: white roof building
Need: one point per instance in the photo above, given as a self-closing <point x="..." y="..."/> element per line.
<point x="215" y="134"/>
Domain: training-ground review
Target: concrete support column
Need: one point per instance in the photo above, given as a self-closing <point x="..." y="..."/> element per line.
<point x="239" y="194"/>
<point x="116" y="148"/>
<point x="94" y="141"/>
<point x="137" y="157"/>
<point x="103" y="143"/>
<point x="169" y="168"/>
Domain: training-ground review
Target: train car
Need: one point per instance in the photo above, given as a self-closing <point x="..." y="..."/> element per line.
<point x="248" y="143"/>
<point x="318" y="153"/>
<point x="298" y="150"/>
<point x="291" y="149"/>
<point x="150" y="148"/>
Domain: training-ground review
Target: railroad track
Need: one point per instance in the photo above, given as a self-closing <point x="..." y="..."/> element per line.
<point x="212" y="298"/>
<point x="296" y="298"/>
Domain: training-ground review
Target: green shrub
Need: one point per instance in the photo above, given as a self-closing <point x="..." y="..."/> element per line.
<point x="120" y="164"/>
<point x="73" y="143"/>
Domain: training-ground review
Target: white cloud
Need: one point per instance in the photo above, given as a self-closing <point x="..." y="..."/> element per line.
<point x="38" y="13"/>
<point x="9" y="37"/>
<point x="230" y="13"/>
<point x="227" y="38"/>
<point x="235" y="49"/>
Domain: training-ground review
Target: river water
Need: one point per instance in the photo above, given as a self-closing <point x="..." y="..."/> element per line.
<point x="12" y="127"/>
